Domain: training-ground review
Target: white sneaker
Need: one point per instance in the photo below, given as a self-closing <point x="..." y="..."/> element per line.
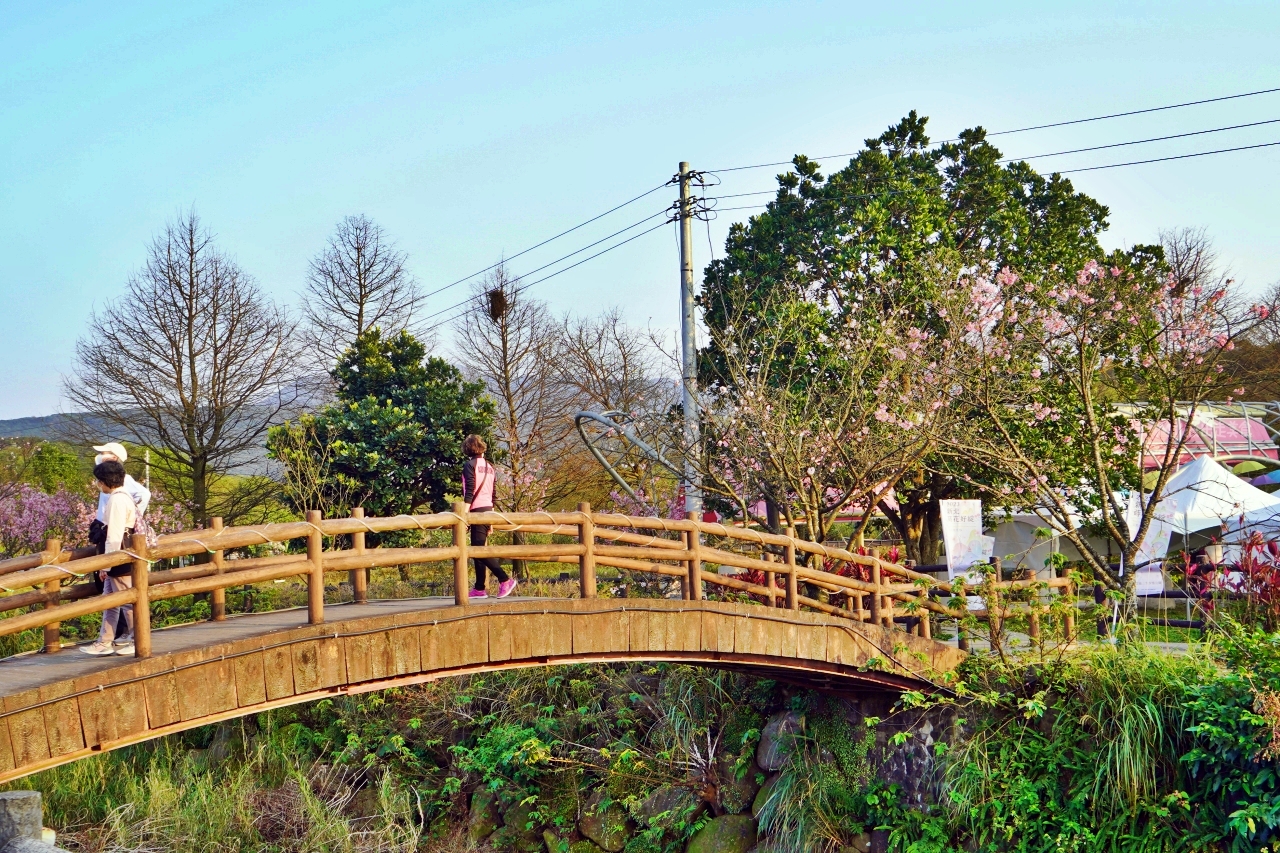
<point x="124" y="648"/>
<point x="96" y="648"/>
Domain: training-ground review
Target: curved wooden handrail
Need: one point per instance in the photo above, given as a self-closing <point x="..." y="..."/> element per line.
<point x="664" y="547"/>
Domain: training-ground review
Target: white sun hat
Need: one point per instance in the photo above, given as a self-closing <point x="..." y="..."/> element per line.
<point x="115" y="448"/>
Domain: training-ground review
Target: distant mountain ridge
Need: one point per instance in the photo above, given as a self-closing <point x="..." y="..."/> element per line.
<point x="49" y="427"/>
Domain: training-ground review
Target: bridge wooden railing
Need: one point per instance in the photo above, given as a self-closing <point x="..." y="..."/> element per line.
<point x="786" y="565"/>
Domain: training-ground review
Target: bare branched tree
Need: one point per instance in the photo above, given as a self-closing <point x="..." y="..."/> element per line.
<point x="356" y="283"/>
<point x="611" y="366"/>
<point x="195" y="362"/>
<point x="512" y="344"/>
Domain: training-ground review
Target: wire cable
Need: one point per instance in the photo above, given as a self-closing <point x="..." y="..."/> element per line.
<point x="470" y="304"/>
<point x="1038" y="126"/>
<point x="1164" y="159"/>
<point x="545" y="242"/>
<point x="1056" y="172"/>
<point x="1142" y="141"/>
<point x="1136" y="112"/>
<point x="563" y="257"/>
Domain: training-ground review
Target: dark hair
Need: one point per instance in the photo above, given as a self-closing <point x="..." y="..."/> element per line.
<point x="110" y="473"/>
<point x="474" y="446"/>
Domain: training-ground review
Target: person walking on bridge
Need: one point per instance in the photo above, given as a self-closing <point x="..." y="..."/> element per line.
<point x="478" y="475"/>
<point x="121" y="517"/>
<point x="115" y="451"/>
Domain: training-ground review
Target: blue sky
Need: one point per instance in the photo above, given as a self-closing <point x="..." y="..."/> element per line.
<point x="471" y="131"/>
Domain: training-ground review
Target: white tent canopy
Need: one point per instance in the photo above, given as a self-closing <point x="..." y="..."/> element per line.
<point x="1203" y="494"/>
<point x="1265" y="521"/>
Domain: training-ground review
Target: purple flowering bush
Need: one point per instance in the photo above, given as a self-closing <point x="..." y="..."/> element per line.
<point x="29" y="516"/>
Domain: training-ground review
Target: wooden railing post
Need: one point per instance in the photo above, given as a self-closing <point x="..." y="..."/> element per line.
<point x="768" y="580"/>
<point x="460" y="595"/>
<point x="886" y="606"/>
<point x="587" y="562"/>
<point x="793" y="576"/>
<point x="142" y="600"/>
<point x="1069" y="618"/>
<point x="315" y="578"/>
<point x="218" y="598"/>
<point x="875" y="596"/>
<point x="359" y="577"/>
<point x="52" y="631"/>
<point x="926" y="629"/>
<point x="693" y="542"/>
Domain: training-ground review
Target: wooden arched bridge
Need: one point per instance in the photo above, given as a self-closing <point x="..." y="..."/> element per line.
<point x="790" y="616"/>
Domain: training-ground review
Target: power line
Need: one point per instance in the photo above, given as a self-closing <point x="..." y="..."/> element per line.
<point x="1163" y="159"/>
<point x="1057" y="172"/>
<point x="545" y="242"/>
<point x="1136" y="112"/>
<point x="526" y="285"/>
<point x="1143" y="141"/>
<point x="1035" y="127"/>
<point x="1054" y="154"/>
<point x="561" y="258"/>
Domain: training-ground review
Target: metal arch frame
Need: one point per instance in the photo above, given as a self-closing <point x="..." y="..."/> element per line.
<point x="608" y="419"/>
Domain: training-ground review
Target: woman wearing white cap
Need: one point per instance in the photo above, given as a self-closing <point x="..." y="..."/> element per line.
<point x="141" y="494"/>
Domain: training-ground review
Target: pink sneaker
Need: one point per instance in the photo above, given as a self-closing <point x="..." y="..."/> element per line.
<point x="506" y="587"/>
<point x="477" y="593"/>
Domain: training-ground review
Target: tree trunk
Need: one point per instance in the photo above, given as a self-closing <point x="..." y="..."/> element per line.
<point x="199" y="491"/>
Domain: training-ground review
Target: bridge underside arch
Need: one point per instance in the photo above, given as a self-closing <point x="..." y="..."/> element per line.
<point x="59" y="708"/>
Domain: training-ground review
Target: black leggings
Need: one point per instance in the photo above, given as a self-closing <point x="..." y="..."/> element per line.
<point x="480" y="537"/>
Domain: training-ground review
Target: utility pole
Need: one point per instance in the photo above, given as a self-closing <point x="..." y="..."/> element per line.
<point x="689" y="350"/>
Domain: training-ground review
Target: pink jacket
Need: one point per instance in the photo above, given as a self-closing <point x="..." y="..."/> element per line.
<point x="478" y="476"/>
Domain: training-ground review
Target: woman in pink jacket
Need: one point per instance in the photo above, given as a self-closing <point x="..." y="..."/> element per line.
<point x="478" y="475"/>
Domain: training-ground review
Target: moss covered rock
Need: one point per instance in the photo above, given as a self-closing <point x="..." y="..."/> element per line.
<point x="776" y="740"/>
<point x="737" y="792"/>
<point x="483" y="819"/>
<point x="608" y="826"/>
<point x="556" y="844"/>
<point x="731" y="833"/>
<point x="519" y="832"/>
<point x="668" y="805"/>
<point x="763" y="795"/>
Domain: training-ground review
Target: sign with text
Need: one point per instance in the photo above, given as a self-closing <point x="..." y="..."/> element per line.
<point x="966" y="546"/>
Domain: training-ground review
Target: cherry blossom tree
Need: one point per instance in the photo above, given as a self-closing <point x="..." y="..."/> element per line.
<point x="820" y="409"/>
<point x="1076" y="377"/>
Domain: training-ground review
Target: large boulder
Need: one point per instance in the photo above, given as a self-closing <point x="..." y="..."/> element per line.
<point x="517" y="833"/>
<point x="667" y="804"/>
<point x="763" y="795"/>
<point x="731" y="833"/>
<point x="556" y="844"/>
<point x="737" y="793"/>
<point x="776" y="740"/>
<point x="483" y="819"/>
<point x="608" y="826"/>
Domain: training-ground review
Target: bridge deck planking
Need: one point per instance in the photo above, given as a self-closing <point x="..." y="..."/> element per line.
<point x="56" y="708"/>
<point x="34" y="670"/>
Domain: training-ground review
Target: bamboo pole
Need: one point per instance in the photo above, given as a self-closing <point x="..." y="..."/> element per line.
<point x="218" y="597"/>
<point x="587" y="562"/>
<point x="359" y="577"/>
<point x="52" y="589"/>
<point x="142" y="604"/>
<point x="315" y="578"/>
<point x="460" y="594"/>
